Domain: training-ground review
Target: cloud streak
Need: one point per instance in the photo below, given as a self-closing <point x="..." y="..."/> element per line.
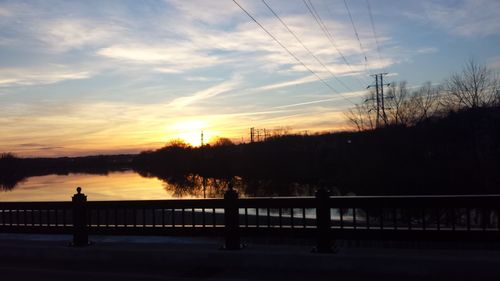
<point x="467" y="18"/>
<point x="208" y="93"/>
<point x="299" y="81"/>
<point x="34" y="76"/>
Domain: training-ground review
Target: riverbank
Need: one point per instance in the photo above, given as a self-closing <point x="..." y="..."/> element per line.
<point x="163" y="258"/>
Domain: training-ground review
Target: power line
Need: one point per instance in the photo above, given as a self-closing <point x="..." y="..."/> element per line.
<point x="364" y="79"/>
<point x="328" y="34"/>
<point x="373" y="29"/>
<point x="355" y="33"/>
<point x="284" y="47"/>
<point x="305" y="47"/>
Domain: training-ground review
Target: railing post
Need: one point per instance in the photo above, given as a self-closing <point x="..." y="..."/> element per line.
<point x="323" y="222"/>
<point x="231" y="220"/>
<point x="80" y="231"/>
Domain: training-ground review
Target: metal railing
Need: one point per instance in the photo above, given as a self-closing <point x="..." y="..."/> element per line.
<point x="323" y="218"/>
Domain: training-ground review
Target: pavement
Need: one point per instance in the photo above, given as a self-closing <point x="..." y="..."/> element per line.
<point x="49" y="257"/>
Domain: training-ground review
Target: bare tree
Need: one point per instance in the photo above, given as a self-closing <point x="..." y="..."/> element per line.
<point x="407" y="107"/>
<point x="425" y="102"/>
<point x="280" y="131"/>
<point x="397" y="103"/>
<point x="476" y="86"/>
<point x="362" y="116"/>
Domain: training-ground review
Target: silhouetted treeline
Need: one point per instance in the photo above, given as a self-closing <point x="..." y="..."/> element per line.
<point x="476" y="86"/>
<point x="14" y="169"/>
<point x="456" y="154"/>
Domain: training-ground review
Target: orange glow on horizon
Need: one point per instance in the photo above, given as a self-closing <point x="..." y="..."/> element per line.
<point x="191" y="132"/>
<point x="153" y="133"/>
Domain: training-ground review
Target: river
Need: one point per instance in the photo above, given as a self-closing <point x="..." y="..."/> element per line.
<point x="126" y="185"/>
<point x="130" y="185"/>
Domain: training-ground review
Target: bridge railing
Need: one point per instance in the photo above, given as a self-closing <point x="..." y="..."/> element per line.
<point x="36" y="217"/>
<point x="446" y="218"/>
<point x="322" y="217"/>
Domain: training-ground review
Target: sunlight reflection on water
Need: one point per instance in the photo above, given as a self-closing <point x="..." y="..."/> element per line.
<point x="130" y="185"/>
<point x="126" y="185"/>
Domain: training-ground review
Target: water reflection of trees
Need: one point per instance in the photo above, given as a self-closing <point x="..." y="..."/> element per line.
<point x="193" y="185"/>
<point x="9" y="182"/>
<point x="200" y="186"/>
<point x="14" y="170"/>
<point x="10" y="175"/>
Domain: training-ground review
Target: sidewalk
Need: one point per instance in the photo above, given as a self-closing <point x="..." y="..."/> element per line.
<point x="26" y="257"/>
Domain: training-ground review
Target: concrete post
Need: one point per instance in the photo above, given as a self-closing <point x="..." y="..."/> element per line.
<point x="80" y="230"/>
<point x="323" y="222"/>
<point x="231" y="220"/>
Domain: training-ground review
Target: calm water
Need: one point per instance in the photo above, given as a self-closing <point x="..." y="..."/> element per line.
<point x="126" y="185"/>
<point x="129" y="185"/>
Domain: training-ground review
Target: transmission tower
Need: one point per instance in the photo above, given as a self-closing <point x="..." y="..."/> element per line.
<point x="379" y="99"/>
<point x="252" y="133"/>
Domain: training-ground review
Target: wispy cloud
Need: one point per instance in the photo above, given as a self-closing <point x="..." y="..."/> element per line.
<point x="468" y="18"/>
<point x="46" y="75"/>
<point x="37" y="146"/>
<point x="211" y="92"/>
<point x="427" y="50"/>
<point x="338" y="97"/>
<point x="201" y="78"/>
<point x="64" y="34"/>
<point x="219" y="34"/>
<point x="167" y="70"/>
<point x="175" y="58"/>
<point x="302" y="80"/>
<point x="213" y="12"/>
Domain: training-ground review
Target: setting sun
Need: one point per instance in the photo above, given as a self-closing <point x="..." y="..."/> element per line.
<point x="191" y="132"/>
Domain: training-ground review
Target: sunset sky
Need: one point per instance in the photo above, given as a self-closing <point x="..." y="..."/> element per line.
<point x="88" y="77"/>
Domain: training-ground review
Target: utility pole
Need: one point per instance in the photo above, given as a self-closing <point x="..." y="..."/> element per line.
<point x="252" y="132"/>
<point x="201" y="138"/>
<point x="379" y="99"/>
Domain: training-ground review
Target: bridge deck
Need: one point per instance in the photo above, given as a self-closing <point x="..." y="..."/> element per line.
<point x="119" y="258"/>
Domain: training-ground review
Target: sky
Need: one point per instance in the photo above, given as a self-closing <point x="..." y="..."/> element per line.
<point x="101" y="77"/>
